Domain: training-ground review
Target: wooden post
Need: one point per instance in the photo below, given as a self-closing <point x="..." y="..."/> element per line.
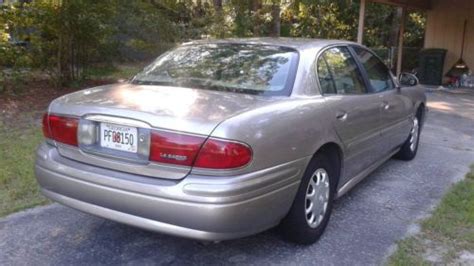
<point x="400" y="41"/>
<point x="276" y="20"/>
<point x="360" y="31"/>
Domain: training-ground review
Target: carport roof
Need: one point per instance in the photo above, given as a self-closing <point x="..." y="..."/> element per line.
<point x="416" y="4"/>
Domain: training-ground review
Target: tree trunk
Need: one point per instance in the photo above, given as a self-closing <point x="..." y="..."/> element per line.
<point x="71" y="60"/>
<point x="218" y="5"/>
<point x="394" y="34"/>
<point x="276" y="18"/>
<point x="59" y="71"/>
<point x="256" y="5"/>
<point x="219" y="18"/>
<point x="199" y="9"/>
<point x="393" y="38"/>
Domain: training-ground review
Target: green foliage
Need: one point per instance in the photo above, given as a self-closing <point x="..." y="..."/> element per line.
<point x="320" y="19"/>
<point x="68" y="35"/>
<point x="65" y="37"/>
<point x="62" y="36"/>
<point x="416" y="24"/>
<point x="141" y="26"/>
<point x="12" y="56"/>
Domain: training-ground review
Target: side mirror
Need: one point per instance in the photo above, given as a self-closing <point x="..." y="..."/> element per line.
<point x="408" y="80"/>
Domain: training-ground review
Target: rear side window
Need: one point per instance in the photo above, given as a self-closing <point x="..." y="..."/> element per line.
<point x="337" y="71"/>
<point x="325" y="77"/>
<point x="378" y="74"/>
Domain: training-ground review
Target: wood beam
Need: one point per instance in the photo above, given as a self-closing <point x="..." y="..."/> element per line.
<point x="400" y="41"/>
<point x="360" y="30"/>
<point x="412" y="4"/>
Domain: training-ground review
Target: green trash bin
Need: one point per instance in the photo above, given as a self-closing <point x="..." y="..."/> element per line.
<point x="430" y="66"/>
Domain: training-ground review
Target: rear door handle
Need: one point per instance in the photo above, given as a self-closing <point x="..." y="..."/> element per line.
<point x="385" y="106"/>
<point x="341" y="116"/>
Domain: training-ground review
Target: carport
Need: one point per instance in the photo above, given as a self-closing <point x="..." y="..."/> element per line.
<point x="444" y="27"/>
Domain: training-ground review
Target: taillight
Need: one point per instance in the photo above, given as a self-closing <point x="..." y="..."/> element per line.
<point x="60" y="128"/>
<point x="188" y="150"/>
<point x="46" y="130"/>
<point x="167" y="147"/>
<point x="222" y="154"/>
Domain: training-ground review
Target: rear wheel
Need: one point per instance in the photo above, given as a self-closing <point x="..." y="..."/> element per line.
<point x="311" y="209"/>
<point x="410" y="147"/>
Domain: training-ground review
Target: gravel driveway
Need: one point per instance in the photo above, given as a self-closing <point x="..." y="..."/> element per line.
<point x="364" y="227"/>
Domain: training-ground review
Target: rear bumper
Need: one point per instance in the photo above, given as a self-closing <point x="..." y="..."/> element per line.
<point x="200" y="207"/>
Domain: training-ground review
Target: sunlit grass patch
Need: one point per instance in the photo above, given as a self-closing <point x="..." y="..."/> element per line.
<point x="18" y="187"/>
<point x="446" y="234"/>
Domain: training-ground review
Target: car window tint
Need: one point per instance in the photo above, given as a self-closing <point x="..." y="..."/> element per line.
<point x="325" y="79"/>
<point x="240" y="68"/>
<point x="378" y="74"/>
<point x="343" y="68"/>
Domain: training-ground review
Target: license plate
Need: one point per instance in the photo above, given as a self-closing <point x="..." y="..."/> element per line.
<point x="118" y="137"/>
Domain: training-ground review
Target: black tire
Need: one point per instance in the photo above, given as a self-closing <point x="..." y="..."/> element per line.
<point x="295" y="227"/>
<point x="406" y="152"/>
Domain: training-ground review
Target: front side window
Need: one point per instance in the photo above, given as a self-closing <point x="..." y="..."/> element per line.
<point x="241" y="68"/>
<point x="378" y="74"/>
<point x="342" y="73"/>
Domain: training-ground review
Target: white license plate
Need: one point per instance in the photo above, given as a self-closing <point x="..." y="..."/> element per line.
<point x="118" y="137"/>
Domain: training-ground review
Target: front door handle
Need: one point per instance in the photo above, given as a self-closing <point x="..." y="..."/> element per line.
<point x="341" y="116"/>
<point x="385" y="106"/>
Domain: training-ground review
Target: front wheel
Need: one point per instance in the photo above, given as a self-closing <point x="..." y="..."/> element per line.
<point x="311" y="209"/>
<point x="410" y="147"/>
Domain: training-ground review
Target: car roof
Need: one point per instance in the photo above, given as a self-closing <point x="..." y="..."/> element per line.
<point x="295" y="43"/>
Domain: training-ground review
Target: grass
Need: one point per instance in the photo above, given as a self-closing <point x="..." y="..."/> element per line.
<point x="449" y="231"/>
<point x="18" y="187"/>
<point x="113" y="72"/>
<point x="20" y="135"/>
<point x="108" y="73"/>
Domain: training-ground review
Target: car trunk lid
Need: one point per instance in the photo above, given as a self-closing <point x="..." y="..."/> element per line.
<point x="168" y="109"/>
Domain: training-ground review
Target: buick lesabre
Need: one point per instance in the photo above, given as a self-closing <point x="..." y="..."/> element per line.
<point x="223" y="139"/>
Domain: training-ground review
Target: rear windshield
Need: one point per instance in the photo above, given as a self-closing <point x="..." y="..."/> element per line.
<point x="242" y="68"/>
